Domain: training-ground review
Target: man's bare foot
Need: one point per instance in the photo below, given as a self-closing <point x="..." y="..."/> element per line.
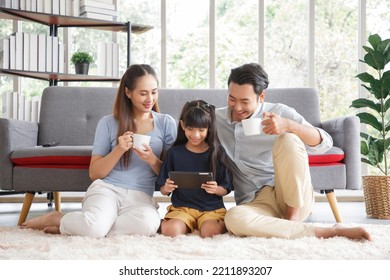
<point x="49" y="222"/>
<point x="357" y="233"/>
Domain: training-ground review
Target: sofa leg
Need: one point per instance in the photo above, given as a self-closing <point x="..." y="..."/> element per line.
<point x="28" y="199"/>
<point x="57" y="201"/>
<point x="333" y="205"/>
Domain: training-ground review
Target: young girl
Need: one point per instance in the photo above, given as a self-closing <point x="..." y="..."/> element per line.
<point x="119" y="201"/>
<point x="196" y="148"/>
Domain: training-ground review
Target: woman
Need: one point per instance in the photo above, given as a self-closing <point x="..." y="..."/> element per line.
<point x="119" y="201"/>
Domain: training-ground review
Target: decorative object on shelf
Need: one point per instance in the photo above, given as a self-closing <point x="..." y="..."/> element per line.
<point x="375" y="143"/>
<point x="81" y="61"/>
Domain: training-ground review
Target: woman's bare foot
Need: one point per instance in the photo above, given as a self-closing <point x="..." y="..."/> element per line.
<point x="49" y="223"/>
<point x="357" y="233"/>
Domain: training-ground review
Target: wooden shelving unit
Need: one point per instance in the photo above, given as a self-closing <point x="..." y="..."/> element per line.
<point x="58" y="21"/>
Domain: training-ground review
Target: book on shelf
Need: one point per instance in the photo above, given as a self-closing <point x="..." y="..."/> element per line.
<point x="22" y="4"/>
<point x="49" y="54"/>
<point x="20" y="106"/>
<point x="27" y="110"/>
<point x="35" y="107"/>
<point x="33" y="5"/>
<point x="55" y="7"/>
<point x="33" y="52"/>
<point x="101" y="59"/>
<point x="109" y="59"/>
<point x="41" y="52"/>
<point x="18" y="50"/>
<point x="69" y="8"/>
<point x="115" y="60"/>
<point x="62" y="11"/>
<point x="6" y="105"/>
<point x="61" y="57"/>
<point x="98" y="4"/>
<point x="6" y="4"/>
<point x="26" y="51"/>
<point x="15" y="4"/>
<point x="103" y="11"/>
<point x="47" y="7"/>
<point x="55" y="42"/>
<point x="14" y="105"/>
<point x="4" y="53"/>
<point x="96" y="16"/>
<point x="76" y="8"/>
<point x="12" y="51"/>
<point x="40" y="8"/>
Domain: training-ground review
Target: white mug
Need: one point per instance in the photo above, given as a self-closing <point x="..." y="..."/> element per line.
<point x="139" y="140"/>
<point x="252" y="126"/>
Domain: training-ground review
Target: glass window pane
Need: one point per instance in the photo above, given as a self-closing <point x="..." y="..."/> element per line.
<point x="378" y="18"/>
<point x="236" y="36"/>
<point x="286" y="42"/>
<point x="145" y="47"/>
<point x="187" y="44"/>
<point x="336" y="56"/>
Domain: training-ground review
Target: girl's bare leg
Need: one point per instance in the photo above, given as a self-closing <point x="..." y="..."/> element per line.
<point x="173" y="227"/>
<point x="210" y="228"/>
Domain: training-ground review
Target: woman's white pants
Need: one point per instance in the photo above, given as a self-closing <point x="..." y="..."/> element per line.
<point x="109" y="210"/>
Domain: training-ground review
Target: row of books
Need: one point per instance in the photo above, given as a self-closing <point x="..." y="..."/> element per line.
<point x="98" y="9"/>
<point x="16" y="106"/>
<point x="32" y="52"/>
<point x="107" y="59"/>
<point x="55" y="7"/>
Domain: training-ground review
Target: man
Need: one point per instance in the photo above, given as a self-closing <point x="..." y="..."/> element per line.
<point x="271" y="175"/>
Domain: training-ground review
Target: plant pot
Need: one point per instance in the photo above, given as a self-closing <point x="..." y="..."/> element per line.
<point x="376" y="191"/>
<point x="81" y="68"/>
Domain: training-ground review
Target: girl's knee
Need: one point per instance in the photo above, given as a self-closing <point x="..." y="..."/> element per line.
<point x="211" y="228"/>
<point x="173" y="228"/>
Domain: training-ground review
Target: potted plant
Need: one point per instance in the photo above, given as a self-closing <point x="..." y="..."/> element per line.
<point x="375" y="143"/>
<point x="81" y="61"/>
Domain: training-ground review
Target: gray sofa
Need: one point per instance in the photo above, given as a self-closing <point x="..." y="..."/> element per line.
<point x="69" y="116"/>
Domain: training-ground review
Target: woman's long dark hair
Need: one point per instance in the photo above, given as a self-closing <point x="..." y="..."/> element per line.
<point x="200" y="114"/>
<point x="123" y="107"/>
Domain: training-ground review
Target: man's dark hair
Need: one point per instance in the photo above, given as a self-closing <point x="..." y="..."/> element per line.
<point x="251" y="73"/>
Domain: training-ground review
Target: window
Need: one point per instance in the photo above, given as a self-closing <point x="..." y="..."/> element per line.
<point x="285" y="45"/>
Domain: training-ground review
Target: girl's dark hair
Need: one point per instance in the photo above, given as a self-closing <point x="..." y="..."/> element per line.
<point x="252" y="74"/>
<point x="200" y="114"/>
<point x="123" y="107"/>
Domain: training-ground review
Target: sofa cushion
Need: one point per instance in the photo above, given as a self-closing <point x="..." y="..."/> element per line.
<point x="333" y="156"/>
<point x="80" y="156"/>
<point x="77" y="157"/>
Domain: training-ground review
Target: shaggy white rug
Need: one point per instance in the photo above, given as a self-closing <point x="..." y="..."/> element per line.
<point x="18" y="244"/>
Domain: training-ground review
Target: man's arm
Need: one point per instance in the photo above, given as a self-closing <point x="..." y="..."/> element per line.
<point x="276" y="125"/>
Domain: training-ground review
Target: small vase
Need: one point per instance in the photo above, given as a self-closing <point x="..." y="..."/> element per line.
<point x="81" y="68"/>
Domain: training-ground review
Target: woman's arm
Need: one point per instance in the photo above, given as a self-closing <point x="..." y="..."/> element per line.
<point x="101" y="166"/>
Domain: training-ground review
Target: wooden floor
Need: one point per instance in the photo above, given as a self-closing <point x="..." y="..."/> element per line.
<point x="351" y="206"/>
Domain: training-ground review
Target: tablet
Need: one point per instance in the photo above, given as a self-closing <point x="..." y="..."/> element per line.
<point x="184" y="179"/>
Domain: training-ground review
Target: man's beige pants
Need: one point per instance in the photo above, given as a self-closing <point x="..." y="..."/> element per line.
<point x="264" y="216"/>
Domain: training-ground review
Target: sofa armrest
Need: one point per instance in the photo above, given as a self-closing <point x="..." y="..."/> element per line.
<point x="345" y="132"/>
<point x="15" y="134"/>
